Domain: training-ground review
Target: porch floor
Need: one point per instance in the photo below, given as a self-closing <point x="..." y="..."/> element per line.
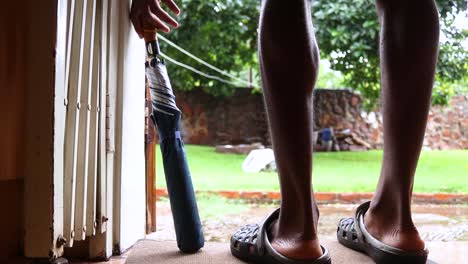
<point x="443" y="227"/>
<point x="165" y="252"/>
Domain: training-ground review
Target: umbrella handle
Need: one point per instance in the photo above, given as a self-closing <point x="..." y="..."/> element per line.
<point x="151" y="41"/>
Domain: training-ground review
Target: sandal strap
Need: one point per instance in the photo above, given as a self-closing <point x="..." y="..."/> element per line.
<point x="264" y="245"/>
<point x="360" y="211"/>
<point x="263" y="232"/>
<point x="257" y="235"/>
<point x="368" y="239"/>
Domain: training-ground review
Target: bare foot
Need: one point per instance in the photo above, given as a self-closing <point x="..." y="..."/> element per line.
<point x="404" y="237"/>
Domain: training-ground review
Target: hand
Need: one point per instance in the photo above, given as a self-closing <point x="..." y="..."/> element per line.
<point x="148" y="14"/>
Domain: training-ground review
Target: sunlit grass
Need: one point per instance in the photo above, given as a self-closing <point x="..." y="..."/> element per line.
<point x="438" y="171"/>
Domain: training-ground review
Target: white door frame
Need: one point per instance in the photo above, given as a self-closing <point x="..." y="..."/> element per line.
<point x="42" y="192"/>
<point x="44" y="136"/>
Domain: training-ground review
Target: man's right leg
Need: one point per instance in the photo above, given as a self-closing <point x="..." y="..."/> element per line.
<point x="289" y="62"/>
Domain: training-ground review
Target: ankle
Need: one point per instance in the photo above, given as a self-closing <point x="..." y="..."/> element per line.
<point x="293" y="223"/>
<point x="398" y="232"/>
<point x="390" y="215"/>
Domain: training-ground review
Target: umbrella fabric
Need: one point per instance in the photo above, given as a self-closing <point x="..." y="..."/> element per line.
<point x="167" y="116"/>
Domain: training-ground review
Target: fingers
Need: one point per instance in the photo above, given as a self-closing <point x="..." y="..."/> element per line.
<point x="164" y="16"/>
<point x="148" y="14"/>
<point x="172" y="6"/>
<point x="150" y="20"/>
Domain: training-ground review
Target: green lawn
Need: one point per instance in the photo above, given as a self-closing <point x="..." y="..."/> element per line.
<point x="438" y="171"/>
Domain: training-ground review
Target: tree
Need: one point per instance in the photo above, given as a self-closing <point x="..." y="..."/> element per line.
<point x="348" y="35"/>
<point x="224" y="33"/>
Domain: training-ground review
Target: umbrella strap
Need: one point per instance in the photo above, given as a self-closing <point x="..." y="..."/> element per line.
<point x="175" y="135"/>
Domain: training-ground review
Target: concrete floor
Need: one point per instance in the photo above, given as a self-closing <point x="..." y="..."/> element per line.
<point x="152" y="252"/>
<point x="164" y="252"/>
<point x="113" y="260"/>
<point x="444" y="228"/>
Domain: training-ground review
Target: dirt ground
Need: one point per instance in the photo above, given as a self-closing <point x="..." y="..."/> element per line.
<point x="435" y="222"/>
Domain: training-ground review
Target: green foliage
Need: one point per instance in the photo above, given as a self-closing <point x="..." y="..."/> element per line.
<point x="445" y="90"/>
<point x="451" y="78"/>
<point x="221" y="32"/>
<point x="348" y="35"/>
<point x="328" y="78"/>
<point x="224" y="33"/>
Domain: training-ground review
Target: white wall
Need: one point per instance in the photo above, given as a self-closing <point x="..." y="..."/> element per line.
<point x="130" y="147"/>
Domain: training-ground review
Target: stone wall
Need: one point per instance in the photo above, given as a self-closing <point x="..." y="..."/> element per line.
<point x="341" y="109"/>
<point x="447" y="127"/>
<point x="241" y="118"/>
<point x="210" y="120"/>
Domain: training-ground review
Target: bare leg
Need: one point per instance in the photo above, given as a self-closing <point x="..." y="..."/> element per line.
<point x="289" y="62"/>
<point x="409" y="40"/>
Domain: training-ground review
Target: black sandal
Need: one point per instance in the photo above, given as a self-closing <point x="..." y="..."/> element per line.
<point x="251" y="244"/>
<point x="352" y="233"/>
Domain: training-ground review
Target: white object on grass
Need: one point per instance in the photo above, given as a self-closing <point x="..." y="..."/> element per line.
<point x="258" y="160"/>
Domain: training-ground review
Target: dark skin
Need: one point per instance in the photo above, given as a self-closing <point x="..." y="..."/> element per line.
<point x="289" y="65"/>
<point x="149" y="14"/>
<point x="409" y="47"/>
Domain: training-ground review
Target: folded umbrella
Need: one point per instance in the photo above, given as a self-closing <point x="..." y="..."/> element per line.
<point x="167" y="116"/>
